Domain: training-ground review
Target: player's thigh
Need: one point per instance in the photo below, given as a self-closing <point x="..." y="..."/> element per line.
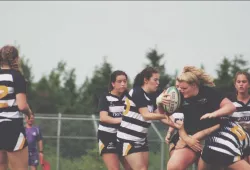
<point x="3" y="160"/>
<point x="18" y="159"/>
<point x="111" y="161"/>
<point x="137" y="160"/>
<point x="242" y="165"/>
<point x="181" y="159"/>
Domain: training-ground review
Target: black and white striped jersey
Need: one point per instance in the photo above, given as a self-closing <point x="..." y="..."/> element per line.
<point x="242" y="113"/>
<point x="12" y="82"/>
<point x="230" y="139"/>
<point x="114" y="105"/>
<point x="133" y="126"/>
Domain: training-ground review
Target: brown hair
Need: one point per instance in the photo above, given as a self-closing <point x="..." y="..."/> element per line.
<point x="243" y="73"/>
<point x="113" y="77"/>
<point x="9" y="56"/>
<point x="145" y="73"/>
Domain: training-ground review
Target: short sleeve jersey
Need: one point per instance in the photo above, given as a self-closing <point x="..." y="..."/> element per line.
<point x="12" y="83"/>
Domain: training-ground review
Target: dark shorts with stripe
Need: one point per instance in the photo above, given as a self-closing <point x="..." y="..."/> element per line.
<point x="128" y="147"/>
<point x="107" y="142"/>
<point x="33" y="158"/>
<point x="226" y="145"/>
<point x="12" y="134"/>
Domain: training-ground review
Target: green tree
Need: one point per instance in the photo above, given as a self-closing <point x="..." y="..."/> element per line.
<point x="94" y="87"/>
<point x="227" y="70"/>
<point x="155" y="60"/>
<point x="238" y="64"/>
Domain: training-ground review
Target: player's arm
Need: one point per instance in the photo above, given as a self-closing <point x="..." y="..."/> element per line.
<point x="21" y="97"/>
<point x="149" y="115"/>
<point x="169" y="134"/>
<point x="104" y="117"/>
<point x="41" y="154"/>
<point x="40" y="146"/>
<point x="193" y="143"/>
<point x="141" y="102"/>
<point x="226" y="108"/>
<point x="202" y="134"/>
<point x="103" y="107"/>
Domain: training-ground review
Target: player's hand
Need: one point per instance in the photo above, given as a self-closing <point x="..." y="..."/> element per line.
<point x="41" y="156"/>
<point x="208" y="116"/>
<point x="163" y="98"/>
<point x="194" y="144"/>
<point x="167" y="138"/>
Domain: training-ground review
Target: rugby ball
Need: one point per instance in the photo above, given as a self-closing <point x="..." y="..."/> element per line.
<point x="175" y="100"/>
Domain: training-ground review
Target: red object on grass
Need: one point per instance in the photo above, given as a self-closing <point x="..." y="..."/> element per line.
<point x="46" y="165"/>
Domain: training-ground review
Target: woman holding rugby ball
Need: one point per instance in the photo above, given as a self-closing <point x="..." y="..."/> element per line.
<point x="202" y="107"/>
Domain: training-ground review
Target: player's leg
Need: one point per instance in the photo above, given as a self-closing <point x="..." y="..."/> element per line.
<point x="108" y="150"/>
<point x="242" y="165"/>
<point x="136" y="154"/>
<point x="125" y="163"/>
<point x="16" y="145"/>
<point x="202" y="165"/>
<point x="3" y="160"/>
<point x="111" y="161"/>
<point x="33" y="160"/>
<point x="18" y="159"/>
<point x="181" y="159"/>
<point x="137" y="160"/>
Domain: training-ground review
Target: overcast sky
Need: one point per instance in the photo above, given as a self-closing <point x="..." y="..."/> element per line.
<point x="81" y="33"/>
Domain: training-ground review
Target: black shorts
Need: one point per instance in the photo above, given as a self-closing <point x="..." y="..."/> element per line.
<point x="127" y="147"/>
<point x="107" y="142"/>
<point x="12" y="134"/>
<point x="226" y="145"/>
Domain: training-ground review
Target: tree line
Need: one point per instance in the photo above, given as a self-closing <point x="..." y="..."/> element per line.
<point x="58" y="92"/>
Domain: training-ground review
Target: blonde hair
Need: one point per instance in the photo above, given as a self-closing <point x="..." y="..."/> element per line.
<point x="9" y="56"/>
<point x="193" y="75"/>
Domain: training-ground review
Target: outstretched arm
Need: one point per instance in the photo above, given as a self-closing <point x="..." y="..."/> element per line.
<point x="226" y="108"/>
<point x="192" y="141"/>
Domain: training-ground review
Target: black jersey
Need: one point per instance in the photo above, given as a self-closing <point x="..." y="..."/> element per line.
<point x="207" y="101"/>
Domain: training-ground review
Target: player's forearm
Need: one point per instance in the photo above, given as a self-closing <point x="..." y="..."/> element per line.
<point x="183" y="134"/>
<point x="225" y="110"/>
<point x="110" y="120"/>
<point x="40" y="145"/>
<point x="153" y="116"/>
<point x="202" y="134"/>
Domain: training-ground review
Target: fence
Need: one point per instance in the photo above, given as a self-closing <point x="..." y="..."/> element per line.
<point x="71" y="144"/>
